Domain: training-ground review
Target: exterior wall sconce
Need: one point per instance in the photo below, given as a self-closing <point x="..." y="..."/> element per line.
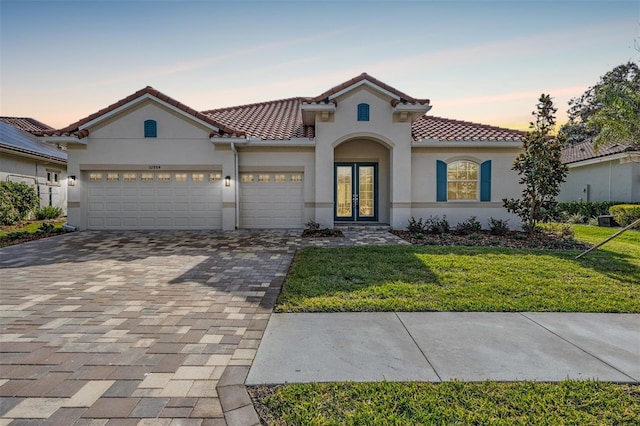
<point x="227" y="181"/>
<point x="72" y="180"/>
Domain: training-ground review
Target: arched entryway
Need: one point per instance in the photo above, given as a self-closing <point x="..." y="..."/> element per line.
<point x="361" y="181"/>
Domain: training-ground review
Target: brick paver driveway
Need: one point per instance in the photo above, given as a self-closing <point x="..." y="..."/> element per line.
<point x="136" y="328"/>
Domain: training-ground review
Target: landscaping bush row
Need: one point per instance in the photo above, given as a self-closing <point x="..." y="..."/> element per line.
<point x="434" y="225"/>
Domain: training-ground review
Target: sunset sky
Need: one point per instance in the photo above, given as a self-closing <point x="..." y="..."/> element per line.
<point x="482" y="61"/>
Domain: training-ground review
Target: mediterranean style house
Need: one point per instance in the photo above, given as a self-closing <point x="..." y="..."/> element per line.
<point x="361" y="152"/>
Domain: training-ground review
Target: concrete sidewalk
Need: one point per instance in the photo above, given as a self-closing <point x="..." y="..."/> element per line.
<point x="441" y="346"/>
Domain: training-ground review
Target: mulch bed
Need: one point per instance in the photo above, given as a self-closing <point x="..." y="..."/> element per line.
<point x="6" y="241"/>
<point x="322" y="233"/>
<point x="513" y="239"/>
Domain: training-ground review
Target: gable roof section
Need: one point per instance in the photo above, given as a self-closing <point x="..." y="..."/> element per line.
<point x="444" y="129"/>
<point x="586" y="151"/>
<point x="74" y="129"/>
<point x="26" y="124"/>
<point x="403" y="97"/>
<point x="21" y="142"/>
<point x="274" y="120"/>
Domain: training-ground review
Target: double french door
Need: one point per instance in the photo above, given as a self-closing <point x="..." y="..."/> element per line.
<point x="356" y="187"/>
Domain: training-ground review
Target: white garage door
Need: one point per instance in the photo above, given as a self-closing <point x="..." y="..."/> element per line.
<point x="271" y="200"/>
<point x="154" y="200"/>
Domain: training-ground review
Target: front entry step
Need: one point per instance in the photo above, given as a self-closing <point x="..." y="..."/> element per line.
<point x="363" y="227"/>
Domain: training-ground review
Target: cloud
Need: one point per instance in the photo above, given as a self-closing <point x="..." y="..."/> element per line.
<point x="512" y="96"/>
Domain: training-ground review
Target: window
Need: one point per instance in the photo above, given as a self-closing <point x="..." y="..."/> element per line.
<point x="363" y="112"/>
<point x="280" y="178"/>
<point x="150" y="129"/>
<point x="215" y="177"/>
<point x="296" y="178"/>
<point x="53" y="177"/>
<point x="197" y="177"/>
<point x="129" y="177"/>
<point x="246" y="178"/>
<point x="95" y="176"/>
<point x="264" y="178"/>
<point x="463" y="180"/>
<point x="111" y="177"/>
<point x="181" y="177"/>
<point x="164" y="177"/>
<point x="146" y="177"/>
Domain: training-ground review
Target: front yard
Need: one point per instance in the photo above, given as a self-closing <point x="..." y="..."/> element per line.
<point x="457" y="278"/>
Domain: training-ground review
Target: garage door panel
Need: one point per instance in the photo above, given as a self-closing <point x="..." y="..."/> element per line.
<point x="271" y="204"/>
<point x="154" y="204"/>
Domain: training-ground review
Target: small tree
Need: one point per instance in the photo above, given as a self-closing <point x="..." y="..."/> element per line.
<point x="16" y="201"/>
<point x="540" y="168"/>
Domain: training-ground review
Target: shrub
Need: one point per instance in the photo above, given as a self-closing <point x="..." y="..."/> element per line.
<point x="561" y="230"/>
<point x="49" y="212"/>
<point x="498" y="226"/>
<point x="16" y="235"/>
<point x="469" y="226"/>
<point x="593" y="221"/>
<point x="435" y="225"/>
<point x="575" y="218"/>
<point x="625" y="214"/>
<point x="16" y="201"/>
<point x="584" y="208"/>
<point x="416" y="226"/>
<point x="46" y="228"/>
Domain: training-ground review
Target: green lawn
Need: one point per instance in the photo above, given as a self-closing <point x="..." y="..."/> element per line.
<point x="449" y="278"/>
<point x="449" y="403"/>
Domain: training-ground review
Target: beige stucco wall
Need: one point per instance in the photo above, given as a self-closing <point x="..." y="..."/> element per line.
<point x="119" y="144"/>
<point x="608" y="180"/>
<point x="33" y="172"/>
<point x="504" y="184"/>
<point x="384" y="131"/>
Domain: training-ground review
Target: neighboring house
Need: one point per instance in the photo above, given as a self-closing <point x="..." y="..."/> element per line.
<point x="24" y="158"/>
<point x="359" y="152"/>
<point x="611" y="173"/>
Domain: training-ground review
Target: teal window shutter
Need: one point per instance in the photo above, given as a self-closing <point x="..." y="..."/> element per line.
<point x="441" y="181"/>
<point x="485" y="181"/>
<point x="150" y="129"/>
<point x="363" y="112"/>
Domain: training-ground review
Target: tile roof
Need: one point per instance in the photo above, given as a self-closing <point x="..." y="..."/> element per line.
<point x="26" y="124"/>
<point x="19" y="141"/>
<point x="444" y="129"/>
<point x="586" y="151"/>
<point x="364" y="76"/>
<point x="74" y="128"/>
<point x="274" y="120"/>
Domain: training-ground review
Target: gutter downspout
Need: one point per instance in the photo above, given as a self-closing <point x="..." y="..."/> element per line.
<point x="235" y="184"/>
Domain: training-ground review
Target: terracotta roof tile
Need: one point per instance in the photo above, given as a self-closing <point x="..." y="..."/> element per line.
<point x="274" y="120"/>
<point x="444" y="129"/>
<point x="26" y="124"/>
<point x="586" y="151"/>
<point x="74" y="128"/>
<point x="365" y="76"/>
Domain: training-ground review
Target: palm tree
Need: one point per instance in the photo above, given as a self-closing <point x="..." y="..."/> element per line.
<point x="618" y="118"/>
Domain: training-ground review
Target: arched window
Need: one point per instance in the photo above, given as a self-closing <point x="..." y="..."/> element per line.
<point x="150" y="129"/>
<point x="363" y="112"/>
<point x="462" y="180"/>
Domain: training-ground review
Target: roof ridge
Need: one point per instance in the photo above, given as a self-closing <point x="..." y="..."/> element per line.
<point x="295" y="98"/>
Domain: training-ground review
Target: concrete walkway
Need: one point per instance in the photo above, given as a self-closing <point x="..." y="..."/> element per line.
<point x="441" y="346"/>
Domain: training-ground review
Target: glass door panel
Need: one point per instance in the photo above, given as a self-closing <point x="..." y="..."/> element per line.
<point x="355" y="192"/>
<point x="365" y="192"/>
<point x="344" y="192"/>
